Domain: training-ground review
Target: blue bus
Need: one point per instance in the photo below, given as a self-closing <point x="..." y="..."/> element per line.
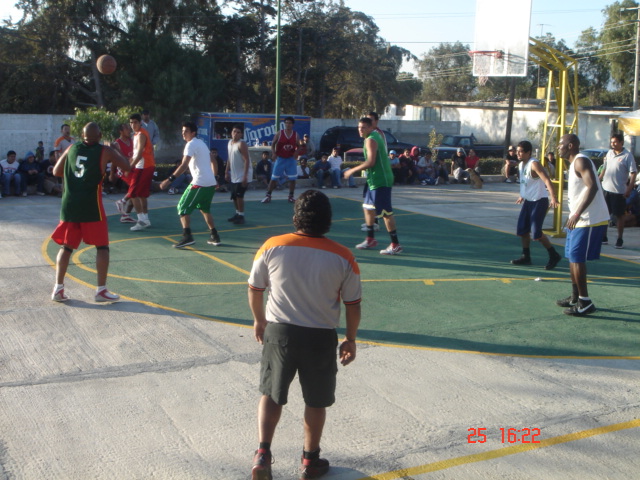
<point x="259" y="128"/>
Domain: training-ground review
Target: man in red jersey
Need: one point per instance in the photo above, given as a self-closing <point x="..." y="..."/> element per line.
<point x="283" y="150"/>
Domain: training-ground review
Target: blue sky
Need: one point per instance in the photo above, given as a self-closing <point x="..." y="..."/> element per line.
<point x="419" y="25"/>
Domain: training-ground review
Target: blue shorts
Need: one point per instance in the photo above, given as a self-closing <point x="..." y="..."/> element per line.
<point x="584" y="243"/>
<point x="532" y="217"/>
<point x="285" y="166"/>
<point x="378" y="200"/>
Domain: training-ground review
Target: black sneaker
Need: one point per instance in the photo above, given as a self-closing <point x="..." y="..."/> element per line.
<point x="313" y="468"/>
<point x="262" y="461"/>
<point x="554" y="259"/>
<point x="522" y="261"/>
<point x="619" y="243"/>
<point x="581" y="309"/>
<point x="239" y="220"/>
<point x="567" y="302"/>
<point x="214" y="239"/>
<point x="185" y="242"/>
<point x="605" y="240"/>
<point x="232" y="219"/>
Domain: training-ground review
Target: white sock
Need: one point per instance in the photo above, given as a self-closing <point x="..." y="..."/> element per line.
<point x="58" y="287"/>
<point x="100" y="289"/>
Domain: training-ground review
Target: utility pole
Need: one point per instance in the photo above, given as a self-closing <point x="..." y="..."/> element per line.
<point x="636" y="71"/>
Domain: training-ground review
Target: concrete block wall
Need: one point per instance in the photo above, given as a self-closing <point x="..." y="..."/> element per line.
<point x="21" y="133"/>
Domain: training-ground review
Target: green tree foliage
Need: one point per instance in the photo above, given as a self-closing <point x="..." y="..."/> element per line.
<point x="594" y="70"/>
<point x="446" y="73"/>
<point x="109" y="122"/>
<point x="618" y="40"/>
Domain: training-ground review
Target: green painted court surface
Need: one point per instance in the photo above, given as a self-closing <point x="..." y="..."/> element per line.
<point x="453" y="288"/>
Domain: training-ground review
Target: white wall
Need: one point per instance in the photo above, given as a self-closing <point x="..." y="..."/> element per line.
<point x="22" y="132"/>
<point x="488" y="124"/>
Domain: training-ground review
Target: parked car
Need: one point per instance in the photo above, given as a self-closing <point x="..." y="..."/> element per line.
<point x="595" y="153"/>
<point x="451" y="143"/>
<point x="347" y="138"/>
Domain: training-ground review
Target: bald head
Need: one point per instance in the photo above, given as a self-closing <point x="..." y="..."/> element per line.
<point x="569" y="146"/>
<point x="91" y="133"/>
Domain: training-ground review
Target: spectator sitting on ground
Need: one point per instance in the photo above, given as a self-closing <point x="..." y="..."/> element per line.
<point x="510" y="167"/>
<point x="51" y="184"/>
<point x="263" y="170"/>
<point x="395" y="165"/>
<point x="426" y="169"/>
<point x="303" y="168"/>
<point x="459" y="167"/>
<point x="473" y="161"/>
<point x="10" y="174"/>
<point x="31" y="173"/>
<point x="335" y="162"/>
<point x="321" y="171"/>
<point x="442" y="176"/>
<point x="408" y="173"/>
<point x="305" y="146"/>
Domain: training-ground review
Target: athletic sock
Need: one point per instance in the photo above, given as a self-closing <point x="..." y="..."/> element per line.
<point x="394" y="237"/>
<point x="101" y="288"/>
<point x="58" y="287"/>
<point x="265" y="446"/>
<point x="214" y="231"/>
<point x="186" y="232"/>
<point x="526" y="252"/>
<point x="311" y="455"/>
<point x="370" y="231"/>
<point x="240" y="213"/>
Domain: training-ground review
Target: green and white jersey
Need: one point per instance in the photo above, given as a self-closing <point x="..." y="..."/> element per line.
<point x="380" y="175"/>
<point x="83" y="175"/>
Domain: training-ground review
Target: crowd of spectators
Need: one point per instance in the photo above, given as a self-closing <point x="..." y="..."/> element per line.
<point x="31" y="173"/>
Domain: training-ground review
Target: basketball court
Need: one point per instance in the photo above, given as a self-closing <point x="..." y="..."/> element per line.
<point x="453" y="288"/>
<point x="455" y="343"/>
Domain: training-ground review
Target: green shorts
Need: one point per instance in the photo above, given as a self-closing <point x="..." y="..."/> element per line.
<point x="311" y="352"/>
<point x="196" y="198"/>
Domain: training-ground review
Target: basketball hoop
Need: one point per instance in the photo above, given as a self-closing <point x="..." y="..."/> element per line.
<point x="485" y="63"/>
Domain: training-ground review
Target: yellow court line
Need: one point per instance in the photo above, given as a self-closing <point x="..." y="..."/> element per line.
<point x="45" y="255"/>
<point x="503" y="452"/>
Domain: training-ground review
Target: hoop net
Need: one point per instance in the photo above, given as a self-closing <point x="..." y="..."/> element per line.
<point x="485" y="64"/>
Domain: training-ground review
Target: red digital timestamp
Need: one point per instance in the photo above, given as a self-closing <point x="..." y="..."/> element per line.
<point x="507" y="435"/>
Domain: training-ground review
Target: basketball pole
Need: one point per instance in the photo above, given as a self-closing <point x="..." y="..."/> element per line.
<point x="277" y="119"/>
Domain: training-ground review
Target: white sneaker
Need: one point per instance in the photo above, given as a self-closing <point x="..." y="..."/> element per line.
<point x="392" y="249"/>
<point x="363" y="227"/>
<point x="266" y="199"/>
<point x="172" y="191"/>
<point x="59" y="296"/>
<point x="120" y="206"/>
<point x="140" y="226"/>
<point x="106" y="296"/>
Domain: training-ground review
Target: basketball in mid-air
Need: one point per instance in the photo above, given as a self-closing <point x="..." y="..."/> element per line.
<point x="106" y="64"/>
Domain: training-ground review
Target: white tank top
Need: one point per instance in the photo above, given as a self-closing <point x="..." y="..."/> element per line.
<point x="531" y="188"/>
<point x="236" y="163"/>
<point x="597" y="211"/>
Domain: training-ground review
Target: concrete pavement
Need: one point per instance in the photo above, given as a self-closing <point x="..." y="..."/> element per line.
<point x="134" y="392"/>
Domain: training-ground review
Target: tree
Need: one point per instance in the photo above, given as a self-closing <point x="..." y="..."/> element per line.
<point x="446" y="73"/>
<point x="618" y="39"/>
<point x="593" y="68"/>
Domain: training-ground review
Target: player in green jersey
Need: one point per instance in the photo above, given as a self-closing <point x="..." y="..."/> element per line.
<point x="377" y="198"/>
<point x="82" y="216"/>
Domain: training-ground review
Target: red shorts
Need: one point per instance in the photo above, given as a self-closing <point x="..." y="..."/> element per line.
<point x="140" y="182"/>
<point x="91" y="233"/>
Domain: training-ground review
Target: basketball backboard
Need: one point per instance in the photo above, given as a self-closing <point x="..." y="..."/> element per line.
<point x="501" y="46"/>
